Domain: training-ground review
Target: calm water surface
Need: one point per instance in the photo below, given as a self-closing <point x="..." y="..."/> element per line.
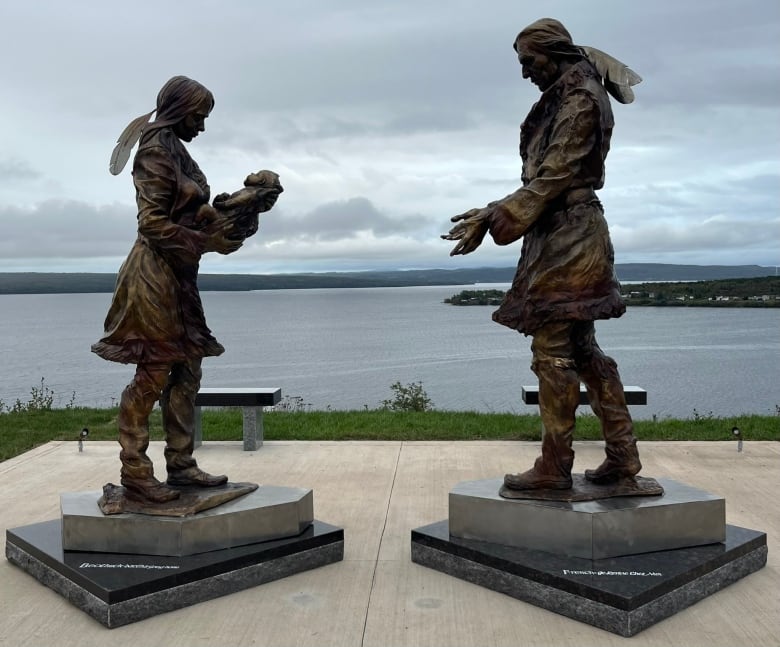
<point x="342" y="348"/>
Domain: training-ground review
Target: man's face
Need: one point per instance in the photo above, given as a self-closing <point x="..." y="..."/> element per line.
<point x="539" y="68"/>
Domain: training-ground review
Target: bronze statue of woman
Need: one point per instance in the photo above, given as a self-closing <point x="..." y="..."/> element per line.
<point x="156" y="318"/>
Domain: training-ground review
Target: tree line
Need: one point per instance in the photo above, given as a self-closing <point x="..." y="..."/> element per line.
<point x="761" y="292"/>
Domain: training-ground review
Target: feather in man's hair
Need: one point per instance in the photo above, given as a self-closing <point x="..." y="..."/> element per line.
<point x="618" y="77"/>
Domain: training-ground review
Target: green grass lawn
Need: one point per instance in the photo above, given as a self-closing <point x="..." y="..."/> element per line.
<point x="22" y="431"/>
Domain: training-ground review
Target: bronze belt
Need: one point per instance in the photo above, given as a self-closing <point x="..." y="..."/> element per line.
<point x="574" y="196"/>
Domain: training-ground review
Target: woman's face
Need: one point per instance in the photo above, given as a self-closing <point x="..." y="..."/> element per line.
<point x="194" y="123"/>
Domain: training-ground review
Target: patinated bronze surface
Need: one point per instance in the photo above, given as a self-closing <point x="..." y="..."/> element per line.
<point x="583" y="489"/>
<point x="156" y="318"/>
<point x="192" y="499"/>
<point x="565" y="279"/>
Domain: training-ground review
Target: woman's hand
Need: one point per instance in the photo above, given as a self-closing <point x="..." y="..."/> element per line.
<point x="222" y="236"/>
<point x="223" y="245"/>
<point x="469" y="231"/>
<point x="205" y="215"/>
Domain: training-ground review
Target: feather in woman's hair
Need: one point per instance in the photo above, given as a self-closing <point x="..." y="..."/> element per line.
<point x="618" y="77"/>
<point x="129" y="137"/>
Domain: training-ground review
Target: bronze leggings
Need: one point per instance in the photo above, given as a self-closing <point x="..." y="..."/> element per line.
<point x="565" y="353"/>
<point x="175" y="386"/>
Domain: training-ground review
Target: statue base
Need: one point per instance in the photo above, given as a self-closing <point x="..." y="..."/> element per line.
<point x="192" y="500"/>
<point x="584" y="490"/>
<point x="592" y="529"/>
<point x="261" y="513"/>
<point x="623" y="595"/>
<point x="621" y="564"/>
<point x="126" y="567"/>
<point x="117" y="589"/>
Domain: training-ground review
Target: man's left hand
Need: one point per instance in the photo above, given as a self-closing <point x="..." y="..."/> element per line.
<point x="469" y="230"/>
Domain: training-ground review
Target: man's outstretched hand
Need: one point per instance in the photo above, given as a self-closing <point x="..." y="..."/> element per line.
<point x="469" y="230"/>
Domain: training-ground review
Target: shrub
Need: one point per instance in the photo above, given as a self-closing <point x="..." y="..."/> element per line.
<point x="41" y="399"/>
<point x="409" y="397"/>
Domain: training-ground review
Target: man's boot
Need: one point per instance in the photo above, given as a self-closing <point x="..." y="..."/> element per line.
<point x="559" y="395"/>
<point x="622" y="462"/>
<point x="608" y="402"/>
<point x="551" y="471"/>
<point x="195" y="476"/>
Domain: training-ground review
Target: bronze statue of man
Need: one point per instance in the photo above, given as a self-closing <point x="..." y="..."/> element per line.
<point x="565" y="279"/>
<point x="156" y="318"/>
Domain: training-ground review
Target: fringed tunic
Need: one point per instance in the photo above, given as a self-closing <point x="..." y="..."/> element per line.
<point x="156" y="315"/>
<point x="566" y="268"/>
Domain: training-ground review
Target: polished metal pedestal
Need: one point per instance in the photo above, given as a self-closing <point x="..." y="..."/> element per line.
<point x="269" y="512"/>
<point x="683" y="516"/>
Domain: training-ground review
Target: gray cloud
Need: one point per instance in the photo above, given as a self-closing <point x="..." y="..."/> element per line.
<point x="66" y="230"/>
<point x="17" y="169"/>
<point x="338" y="221"/>
<point x="384" y="119"/>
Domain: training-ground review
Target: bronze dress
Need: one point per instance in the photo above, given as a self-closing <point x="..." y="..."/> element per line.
<point x="566" y="268"/>
<point x="156" y="315"/>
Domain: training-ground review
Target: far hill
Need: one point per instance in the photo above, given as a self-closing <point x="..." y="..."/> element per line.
<point x="663" y="272"/>
<point x="54" y="283"/>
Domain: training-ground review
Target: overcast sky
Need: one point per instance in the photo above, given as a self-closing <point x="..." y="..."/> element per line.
<point x="384" y="118"/>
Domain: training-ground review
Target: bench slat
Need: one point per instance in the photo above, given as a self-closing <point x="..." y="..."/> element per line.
<point x="238" y="397"/>
<point x="634" y="395"/>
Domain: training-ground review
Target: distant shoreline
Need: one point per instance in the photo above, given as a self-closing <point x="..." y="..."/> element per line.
<point x="759" y="292"/>
<point x="82" y="283"/>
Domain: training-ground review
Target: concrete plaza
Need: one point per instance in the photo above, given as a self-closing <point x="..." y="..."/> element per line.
<point x="378" y="492"/>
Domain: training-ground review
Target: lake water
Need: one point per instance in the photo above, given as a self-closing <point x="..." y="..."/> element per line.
<point x="343" y="348"/>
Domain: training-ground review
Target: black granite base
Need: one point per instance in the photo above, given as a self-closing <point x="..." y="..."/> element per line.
<point x="117" y="589"/>
<point x="623" y="595"/>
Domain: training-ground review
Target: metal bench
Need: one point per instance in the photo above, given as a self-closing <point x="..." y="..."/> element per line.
<point x="634" y="395"/>
<point x="251" y="400"/>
